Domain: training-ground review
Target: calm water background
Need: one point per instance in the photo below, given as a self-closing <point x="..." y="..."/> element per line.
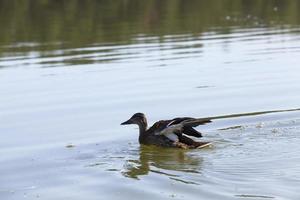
<point x="71" y="71"/>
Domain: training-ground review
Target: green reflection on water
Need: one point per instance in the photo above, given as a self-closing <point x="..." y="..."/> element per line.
<point x="164" y="161"/>
<point x="54" y="29"/>
<point x="86" y="22"/>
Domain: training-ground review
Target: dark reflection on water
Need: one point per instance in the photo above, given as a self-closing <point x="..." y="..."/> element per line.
<point x="102" y="21"/>
<point x="157" y="160"/>
<point x="44" y="26"/>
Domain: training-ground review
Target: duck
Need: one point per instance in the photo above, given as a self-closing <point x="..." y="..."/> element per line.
<point x="169" y="133"/>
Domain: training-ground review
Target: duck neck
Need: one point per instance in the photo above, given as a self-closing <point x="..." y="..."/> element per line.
<point x="143" y="128"/>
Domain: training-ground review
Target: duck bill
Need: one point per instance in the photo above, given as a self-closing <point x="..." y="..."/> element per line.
<point x="127" y="122"/>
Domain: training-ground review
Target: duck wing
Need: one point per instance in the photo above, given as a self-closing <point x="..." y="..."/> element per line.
<point x="173" y="129"/>
<point x="165" y="128"/>
<point x="188" y="123"/>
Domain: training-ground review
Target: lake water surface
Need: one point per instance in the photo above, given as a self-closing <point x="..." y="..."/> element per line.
<point x="72" y="71"/>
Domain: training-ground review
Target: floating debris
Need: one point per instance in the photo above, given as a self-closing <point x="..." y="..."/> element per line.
<point x="254" y="196"/>
<point x="231" y="127"/>
<point x="70" y="146"/>
<point x="260" y="125"/>
<point x="203" y="86"/>
<point x="274" y="130"/>
<point x="112" y="170"/>
<point x="94" y="164"/>
<point x="228" y="18"/>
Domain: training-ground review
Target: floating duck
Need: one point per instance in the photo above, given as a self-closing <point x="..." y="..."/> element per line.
<point x="169" y="133"/>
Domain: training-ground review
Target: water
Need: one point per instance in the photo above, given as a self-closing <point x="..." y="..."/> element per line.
<point x="72" y="71"/>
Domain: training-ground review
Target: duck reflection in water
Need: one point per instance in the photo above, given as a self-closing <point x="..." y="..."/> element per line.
<point x="163" y="161"/>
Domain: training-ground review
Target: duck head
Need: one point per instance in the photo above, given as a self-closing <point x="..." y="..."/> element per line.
<point x="138" y="119"/>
